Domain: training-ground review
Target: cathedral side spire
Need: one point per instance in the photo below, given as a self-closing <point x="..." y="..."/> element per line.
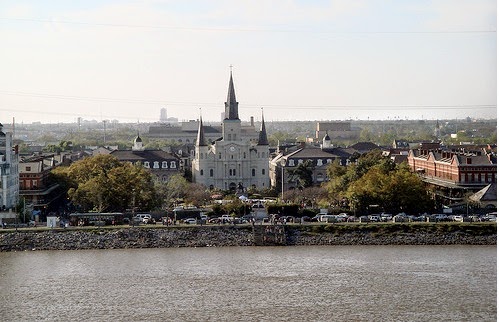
<point x="262" y="138"/>
<point x="200" y="139"/>
<point x="231" y="105"/>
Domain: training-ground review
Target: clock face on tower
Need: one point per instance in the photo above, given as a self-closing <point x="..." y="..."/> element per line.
<point x="232" y="149"/>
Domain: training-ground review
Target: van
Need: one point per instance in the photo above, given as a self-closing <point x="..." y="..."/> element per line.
<point x="144" y="218"/>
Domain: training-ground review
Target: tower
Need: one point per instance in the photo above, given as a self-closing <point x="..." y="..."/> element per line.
<point x="232" y="162"/>
<point x="231" y="124"/>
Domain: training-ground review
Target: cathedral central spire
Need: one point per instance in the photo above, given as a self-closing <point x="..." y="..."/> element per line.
<point x="231" y="106"/>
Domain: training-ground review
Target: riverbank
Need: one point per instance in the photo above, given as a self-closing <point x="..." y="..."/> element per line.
<point x="243" y="235"/>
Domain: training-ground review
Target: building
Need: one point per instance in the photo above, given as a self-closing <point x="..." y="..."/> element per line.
<point x="233" y="162"/>
<point x="162" y="164"/>
<point x="453" y="172"/>
<point x="318" y="159"/>
<point x="337" y="130"/>
<point x="9" y="171"/>
<point x="40" y="193"/>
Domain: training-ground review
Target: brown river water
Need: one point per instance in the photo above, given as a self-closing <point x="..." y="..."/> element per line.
<point x="310" y="283"/>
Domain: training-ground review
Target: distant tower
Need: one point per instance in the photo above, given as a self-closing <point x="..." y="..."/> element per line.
<point x="162" y="116"/>
<point x="437" y="131"/>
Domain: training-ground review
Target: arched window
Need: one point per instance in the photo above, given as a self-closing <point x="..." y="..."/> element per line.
<point x="211" y="172"/>
<point x="201" y="172"/>
<point x="173" y="165"/>
<point x="164" y="164"/>
<point x="156" y="165"/>
<point x="146" y="164"/>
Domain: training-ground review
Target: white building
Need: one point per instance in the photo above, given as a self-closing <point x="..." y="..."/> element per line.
<point x="232" y="162"/>
<point x="9" y="171"/>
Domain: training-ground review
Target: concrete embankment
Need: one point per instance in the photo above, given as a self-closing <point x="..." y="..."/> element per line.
<point x="243" y="235"/>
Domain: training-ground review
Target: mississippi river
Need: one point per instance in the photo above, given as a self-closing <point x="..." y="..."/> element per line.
<point x="310" y="283"/>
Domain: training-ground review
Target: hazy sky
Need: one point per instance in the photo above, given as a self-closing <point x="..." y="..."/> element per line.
<point x="298" y="60"/>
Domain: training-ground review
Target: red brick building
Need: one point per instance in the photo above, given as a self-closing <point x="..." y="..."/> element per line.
<point x="454" y="171"/>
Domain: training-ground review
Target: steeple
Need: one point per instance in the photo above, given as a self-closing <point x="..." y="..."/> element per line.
<point x="326" y="141"/>
<point x="262" y="138"/>
<point x="200" y="139"/>
<point x="137" y="143"/>
<point x="231" y="106"/>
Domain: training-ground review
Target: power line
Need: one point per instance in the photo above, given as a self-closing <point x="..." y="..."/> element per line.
<point x="239" y="29"/>
<point x="252" y="105"/>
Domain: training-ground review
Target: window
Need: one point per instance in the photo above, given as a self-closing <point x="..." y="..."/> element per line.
<point x="173" y="165"/>
<point x="164" y="164"/>
<point x="230" y="137"/>
<point x="28" y="168"/>
<point x="244" y="155"/>
<point x="253" y="172"/>
<point x="211" y="172"/>
<point x="219" y="155"/>
<point x="319" y="162"/>
<point x="156" y="165"/>
<point x="146" y="164"/>
<point x="300" y="161"/>
<point x="263" y="171"/>
<point x="291" y="163"/>
<point x="201" y="172"/>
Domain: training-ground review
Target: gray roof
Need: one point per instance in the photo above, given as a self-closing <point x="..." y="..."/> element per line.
<point x="489" y="193"/>
<point x="145" y="155"/>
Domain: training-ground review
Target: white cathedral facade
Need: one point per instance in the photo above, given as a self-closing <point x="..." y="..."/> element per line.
<point x="232" y="162"/>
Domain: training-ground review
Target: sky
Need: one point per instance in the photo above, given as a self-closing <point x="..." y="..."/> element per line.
<point x="291" y="59"/>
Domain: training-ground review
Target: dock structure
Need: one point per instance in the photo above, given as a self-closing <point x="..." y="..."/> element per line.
<point x="269" y="235"/>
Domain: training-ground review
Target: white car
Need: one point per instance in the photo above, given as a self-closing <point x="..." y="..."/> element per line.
<point x="190" y="221"/>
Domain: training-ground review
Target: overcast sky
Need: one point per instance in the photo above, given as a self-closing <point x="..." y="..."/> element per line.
<point x="298" y="60"/>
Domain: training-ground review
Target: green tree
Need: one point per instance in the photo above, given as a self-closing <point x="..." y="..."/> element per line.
<point x="102" y="183"/>
<point x="302" y="174"/>
<point x="175" y="189"/>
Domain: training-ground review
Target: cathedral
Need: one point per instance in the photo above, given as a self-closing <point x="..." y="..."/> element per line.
<point x="233" y="162"/>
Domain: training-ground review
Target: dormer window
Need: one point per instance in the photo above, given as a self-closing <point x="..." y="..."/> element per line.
<point x="164" y="164"/>
<point x="146" y="164"/>
<point x="156" y="165"/>
<point x="173" y="165"/>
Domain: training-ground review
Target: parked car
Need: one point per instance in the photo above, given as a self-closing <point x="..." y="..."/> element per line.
<point x="190" y="221"/>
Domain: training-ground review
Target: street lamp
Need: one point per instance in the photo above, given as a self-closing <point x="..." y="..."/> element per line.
<point x="283" y="163"/>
